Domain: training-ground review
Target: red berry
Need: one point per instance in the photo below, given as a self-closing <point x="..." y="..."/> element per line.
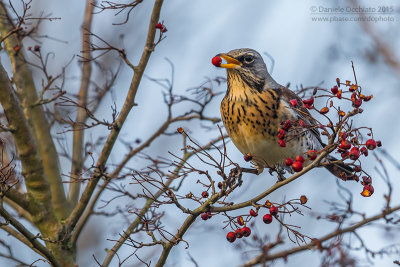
<point x="334" y="90"/>
<point x="308" y="106"/>
<point x="344" y="154"/>
<point x="246" y="231"/>
<point x="231" y="237"/>
<point x="253" y="213"/>
<point x="238" y="233"/>
<point x="216" y="61"/>
<point x="281" y="133"/>
<point x="282" y="143"/>
<point x="204" y="216"/>
<point x="300" y="159"/>
<point x="345" y="145"/>
<point x="366" y="180"/>
<point x="289" y="162"/>
<point x="267" y="218"/>
<point x="357" y="169"/>
<point x="302" y="123"/>
<point x="339" y="94"/>
<point x="248" y="157"/>
<point x="368" y="190"/>
<point x="204" y="194"/>
<point x="364" y="151"/>
<point x="371" y="144"/>
<point x="312" y="154"/>
<point x="286" y="125"/>
<point x="159" y="25"/>
<point x="324" y="110"/>
<point x="240" y="220"/>
<point x="357" y="103"/>
<point x="297" y="166"/>
<point x="303" y="199"/>
<point x="354" y="153"/>
<point x="309" y="101"/>
<point x="273" y="210"/>
<point x="293" y="102"/>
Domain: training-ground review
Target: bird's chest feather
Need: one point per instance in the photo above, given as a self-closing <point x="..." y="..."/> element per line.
<point x="252" y="121"/>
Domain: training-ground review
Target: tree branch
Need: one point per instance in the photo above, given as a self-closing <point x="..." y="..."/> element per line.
<point x="32" y="170"/>
<point x="128" y="105"/>
<point x="78" y="137"/>
<point x="23" y="79"/>
<point x="28" y="235"/>
<point x="263" y="258"/>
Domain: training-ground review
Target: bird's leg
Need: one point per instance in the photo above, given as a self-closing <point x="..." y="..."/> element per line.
<point x="280" y="175"/>
<point x="279" y="170"/>
<point x="250" y="170"/>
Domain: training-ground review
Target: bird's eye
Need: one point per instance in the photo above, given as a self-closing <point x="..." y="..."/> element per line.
<point x="248" y="59"/>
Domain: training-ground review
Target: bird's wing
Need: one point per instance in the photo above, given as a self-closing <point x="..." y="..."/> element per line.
<point x="300" y="110"/>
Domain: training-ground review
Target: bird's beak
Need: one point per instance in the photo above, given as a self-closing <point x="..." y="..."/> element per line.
<point x="230" y="61"/>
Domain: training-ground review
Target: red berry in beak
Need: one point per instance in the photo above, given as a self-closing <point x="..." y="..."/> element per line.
<point x="297" y="166"/>
<point x="267" y="218"/>
<point x="370" y="144"/>
<point x="231" y="237"/>
<point x="216" y="61"/>
<point x="246" y="231"/>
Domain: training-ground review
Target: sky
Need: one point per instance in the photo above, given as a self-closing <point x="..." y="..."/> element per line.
<point x="305" y="52"/>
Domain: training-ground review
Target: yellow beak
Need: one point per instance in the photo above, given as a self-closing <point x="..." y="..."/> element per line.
<point x="230" y="61"/>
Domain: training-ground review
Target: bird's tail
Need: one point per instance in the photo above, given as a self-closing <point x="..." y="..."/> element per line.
<point x="340" y="170"/>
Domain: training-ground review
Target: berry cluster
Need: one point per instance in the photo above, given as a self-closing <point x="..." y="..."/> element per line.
<point x="245" y="231"/>
<point x="349" y="141"/>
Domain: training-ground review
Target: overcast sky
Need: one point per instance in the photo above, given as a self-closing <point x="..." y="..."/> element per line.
<point x="304" y="51"/>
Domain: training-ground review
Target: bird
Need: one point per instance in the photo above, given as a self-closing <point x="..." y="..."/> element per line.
<point x="254" y="108"/>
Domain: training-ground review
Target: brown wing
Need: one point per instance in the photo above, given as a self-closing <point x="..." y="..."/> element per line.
<point x="302" y="112"/>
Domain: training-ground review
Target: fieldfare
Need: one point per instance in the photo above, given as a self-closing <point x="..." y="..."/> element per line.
<point x="254" y="108"/>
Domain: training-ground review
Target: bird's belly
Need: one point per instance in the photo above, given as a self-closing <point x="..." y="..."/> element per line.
<point x="264" y="147"/>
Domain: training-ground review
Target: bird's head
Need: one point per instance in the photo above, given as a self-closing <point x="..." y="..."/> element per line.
<point x="246" y="64"/>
